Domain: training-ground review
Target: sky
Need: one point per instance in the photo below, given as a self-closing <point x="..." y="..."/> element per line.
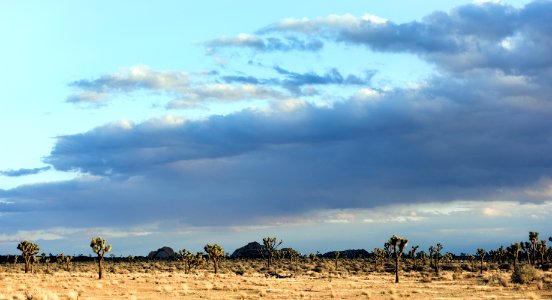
<point x="330" y="125"/>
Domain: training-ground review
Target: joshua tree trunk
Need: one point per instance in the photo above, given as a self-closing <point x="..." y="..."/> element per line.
<point x="436" y="263"/>
<point x="336" y="256"/>
<point x="396" y="269"/>
<point x="100" y="268"/>
<point x="215" y="264"/>
<point x="481" y="268"/>
<point x="27" y="264"/>
<point x="269" y="261"/>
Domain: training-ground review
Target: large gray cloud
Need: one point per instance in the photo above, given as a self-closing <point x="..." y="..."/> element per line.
<point x="467" y="139"/>
<point x="479" y="130"/>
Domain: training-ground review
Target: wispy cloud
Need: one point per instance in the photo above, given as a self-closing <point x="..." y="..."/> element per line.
<point x="24" y="172"/>
<point x="257" y="43"/>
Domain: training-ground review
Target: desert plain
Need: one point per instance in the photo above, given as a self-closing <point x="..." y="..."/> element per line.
<point x="241" y="279"/>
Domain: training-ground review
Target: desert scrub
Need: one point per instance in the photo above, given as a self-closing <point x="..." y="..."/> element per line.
<point x="525" y="274"/>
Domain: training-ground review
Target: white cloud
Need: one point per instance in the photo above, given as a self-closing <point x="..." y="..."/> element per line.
<point x="374" y="19"/>
<point x="480" y="2"/>
<point x="367" y="94"/>
<point x="38" y="235"/>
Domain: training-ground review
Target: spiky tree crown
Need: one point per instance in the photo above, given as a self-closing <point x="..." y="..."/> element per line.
<point x="28" y="248"/>
<point x="533" y="236"/>
<point x="481" y="252"/>
<point x="398" y="244"/>
<point x="270" y="243"/>
<point x="100" y="246"/>
<point x="214" y="250"/>
<point x="413" y="250"/>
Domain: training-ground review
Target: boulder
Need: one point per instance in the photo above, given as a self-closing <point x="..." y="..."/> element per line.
<point x="162" y="253"/>
<point x="251" y="250"/>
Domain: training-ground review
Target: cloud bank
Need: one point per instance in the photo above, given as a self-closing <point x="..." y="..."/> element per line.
<point x="477" y="130"/>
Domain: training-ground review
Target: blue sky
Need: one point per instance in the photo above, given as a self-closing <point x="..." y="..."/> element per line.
<point x="331" y="125"/>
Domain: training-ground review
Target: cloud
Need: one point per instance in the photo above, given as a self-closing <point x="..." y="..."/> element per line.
<point x="139" y="77"/>
<point x="481" y="136"/>
<point x="89" y="98"/>
<point x="185" y="93"/>
<point x="24" y="172"/>
<point x="294" y="81"/>
<point x="486" y="35"/>
<point x="476" y="131"/>
<point x="262" y="44"/>
<point x="225" y="93"/>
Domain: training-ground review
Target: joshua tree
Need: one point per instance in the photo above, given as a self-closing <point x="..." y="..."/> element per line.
<point x="534" y="238"/>
<point x="541" y="247"/>
<point x="67" y="262"/>
<point x="438" y="249"/>
<point x="422" y="256"/>
<point x="379" y="255"/>
<point x="387" y="250"/>
<point x="270" y="246"/>
<point x="60" y="259"/>
<point x="336" y="257"/>
<point x="515" y="249"/>
<point x="526" y="248"/>
<point x="215" y="253"/>
<point x="190" y="260"/>
<point x="198" y="261"/>
<point x="28" y="249"/>
<point x="501" y="254"/>
<point x="46" y="261"/>
<point x="398" y="245"/>
<point x="481" y="253"/>
<point x="431" y="251"/>
<point x="412" y="255"/>
<point x="35" y="260"/>
<point x="292" y="254"/>
<point x="100" y="247"/>
<point x="185" y="257"/>
<point x="471" y="261"/>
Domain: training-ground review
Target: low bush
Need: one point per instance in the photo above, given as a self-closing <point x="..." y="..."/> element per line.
<point x="524" y="274"/>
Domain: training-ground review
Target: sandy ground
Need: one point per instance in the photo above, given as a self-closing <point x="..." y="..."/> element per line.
<point x="137" y="283"/>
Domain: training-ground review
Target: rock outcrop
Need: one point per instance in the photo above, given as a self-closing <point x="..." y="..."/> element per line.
<point x="162" y="253"/>
<point x="251" y="250"/>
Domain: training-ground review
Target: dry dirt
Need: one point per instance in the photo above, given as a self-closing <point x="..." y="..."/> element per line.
<point x="169" y="282"/>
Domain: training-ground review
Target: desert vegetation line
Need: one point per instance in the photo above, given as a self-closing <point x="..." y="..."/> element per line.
<point x="533" y="253"/>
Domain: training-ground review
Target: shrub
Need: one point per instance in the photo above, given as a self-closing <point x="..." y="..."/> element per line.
<point x="524" y="274"/>
<point x="505" y="267"/>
